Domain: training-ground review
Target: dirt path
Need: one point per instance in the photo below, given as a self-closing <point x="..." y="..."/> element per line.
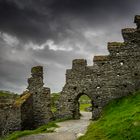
<point x="68" y="130"/>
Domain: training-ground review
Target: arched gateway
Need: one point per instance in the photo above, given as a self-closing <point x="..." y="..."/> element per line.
<point x="111" y="76"/>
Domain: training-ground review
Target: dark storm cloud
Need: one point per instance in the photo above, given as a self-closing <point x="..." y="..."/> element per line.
<point x="53" y="32"/>
<point x="41" y="19"/>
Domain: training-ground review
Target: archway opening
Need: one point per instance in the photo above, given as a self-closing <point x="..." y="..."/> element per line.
<point x="83" y="106"/>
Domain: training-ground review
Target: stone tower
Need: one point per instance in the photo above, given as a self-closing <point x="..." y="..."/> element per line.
<point x="40" y="98"/>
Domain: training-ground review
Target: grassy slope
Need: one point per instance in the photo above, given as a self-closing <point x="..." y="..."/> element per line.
<point x="7" y="94"/>
<point x="120" y="121"/>
<point x="84" y="106"/>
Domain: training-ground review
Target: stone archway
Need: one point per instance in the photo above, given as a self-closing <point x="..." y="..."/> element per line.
<point x="79" y="81"/>
<point x="76" y="109"/>
<point x="111" y="76"/>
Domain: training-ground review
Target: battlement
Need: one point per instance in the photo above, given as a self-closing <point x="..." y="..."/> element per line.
<point x="115" y="47"/>
<point x="79" y="63"/>
<point x="37" y="71"/>
<point x="128" y="30"/>
<point x="137" y="21"/>
<point x="128" y="34"/>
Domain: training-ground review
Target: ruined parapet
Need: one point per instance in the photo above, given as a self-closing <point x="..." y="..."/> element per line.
<point x="137" y="21"/>
<point x="129" y="35"/>
<point x="79" y="64"/>
<point x="101" y="60"/>
<point x="115" y="48"/>
<point x="41" y="104"/>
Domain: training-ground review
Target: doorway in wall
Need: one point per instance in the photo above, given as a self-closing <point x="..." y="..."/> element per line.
<point x="83" y="106"/>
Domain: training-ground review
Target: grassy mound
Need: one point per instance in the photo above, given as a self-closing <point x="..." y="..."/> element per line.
<point x="54" y="98"/>
<point x="120" y="121"/>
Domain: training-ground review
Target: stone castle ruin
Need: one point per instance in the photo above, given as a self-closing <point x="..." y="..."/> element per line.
<point x="30" y="110"/>
<point x="111" y="76"/>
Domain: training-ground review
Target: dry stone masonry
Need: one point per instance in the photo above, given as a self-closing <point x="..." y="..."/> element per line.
<point x="30" y="110"/>
<point x="10" y="117"/>
<point x="41" y="102"/>
<point x="111" y="76"/>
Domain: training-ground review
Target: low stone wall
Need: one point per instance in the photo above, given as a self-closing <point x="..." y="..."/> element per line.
<point x="10" y="116"/>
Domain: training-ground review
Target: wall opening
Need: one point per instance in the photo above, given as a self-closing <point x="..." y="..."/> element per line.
<point x="83" y="107"/>
<point x="121" y="63"/>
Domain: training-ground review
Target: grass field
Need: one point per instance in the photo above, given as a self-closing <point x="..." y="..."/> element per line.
<point x="120" y="121"/>
<point x="7" y="94"/>
<point x="84" y="106"/>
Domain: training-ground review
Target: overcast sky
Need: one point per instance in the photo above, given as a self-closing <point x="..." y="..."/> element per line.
<point x="52" y="33"/>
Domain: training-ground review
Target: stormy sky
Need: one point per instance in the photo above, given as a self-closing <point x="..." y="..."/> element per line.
<point x="52" y="33"/>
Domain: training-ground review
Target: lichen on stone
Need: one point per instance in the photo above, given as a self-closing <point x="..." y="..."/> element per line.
<point x="101" y="58"/>
<point x="115" y="44"/>
<point x="37" y="69"/>
<point x="18" y="102"/>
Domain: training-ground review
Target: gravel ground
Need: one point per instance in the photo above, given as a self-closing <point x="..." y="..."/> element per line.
<point x="68" y="130"/>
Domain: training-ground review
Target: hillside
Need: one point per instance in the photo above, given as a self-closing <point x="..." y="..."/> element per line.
<point x="7" y="94"/>
<point x="120" y="121"/>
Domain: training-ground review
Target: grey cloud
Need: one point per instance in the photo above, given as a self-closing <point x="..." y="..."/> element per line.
<point x="84" y="25"/>
<point x="41" y="20"/>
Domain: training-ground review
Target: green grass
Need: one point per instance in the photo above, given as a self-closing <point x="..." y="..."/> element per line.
<point x="85" y="102"/>
<point x="7" y="94"/>
<point x="84" y="106"/>
<point x="120" y="121"/>
<point x="54" y="99"/>
<point x="42" y="129"/>
<point x="84" y="99"/>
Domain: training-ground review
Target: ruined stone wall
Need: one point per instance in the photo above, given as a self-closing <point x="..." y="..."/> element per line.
<point x="27" y="121"/>
<point x="112" y="76"/>
<point x="41" y="104"/>
<point x="29" y="111"/>
<point x="10" y="116"/>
